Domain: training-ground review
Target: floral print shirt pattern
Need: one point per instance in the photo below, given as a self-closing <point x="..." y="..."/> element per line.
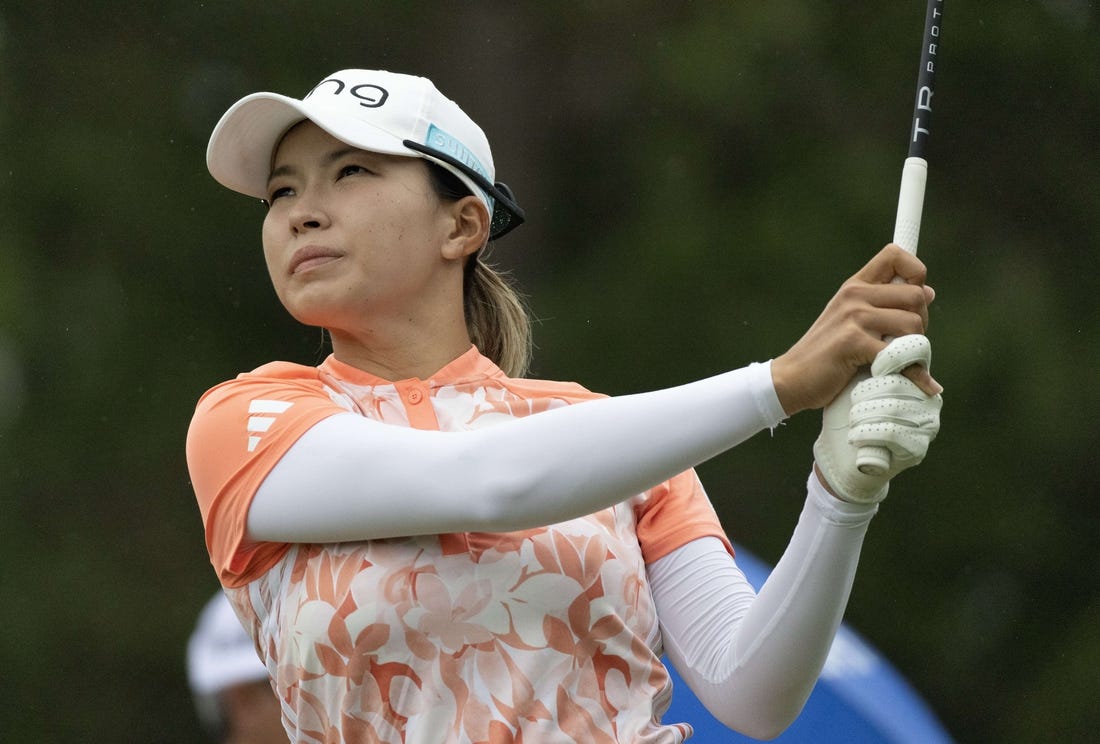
<point x="543" y="635"/>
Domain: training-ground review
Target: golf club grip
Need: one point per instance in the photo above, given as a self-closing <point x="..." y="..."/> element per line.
<point x="914" y="175"/>
<point x="871" y="459"/>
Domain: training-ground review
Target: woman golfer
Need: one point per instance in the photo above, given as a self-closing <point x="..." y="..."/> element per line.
<point x="425" y="545"/>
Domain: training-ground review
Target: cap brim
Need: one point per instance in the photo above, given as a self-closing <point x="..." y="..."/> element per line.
<point x="244" y="140"/>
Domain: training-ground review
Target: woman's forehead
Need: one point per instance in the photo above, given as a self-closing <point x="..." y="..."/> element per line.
<point x="307" y="141"/>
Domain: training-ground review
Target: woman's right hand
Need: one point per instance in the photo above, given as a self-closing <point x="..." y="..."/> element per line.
<point x="852" y="329"/>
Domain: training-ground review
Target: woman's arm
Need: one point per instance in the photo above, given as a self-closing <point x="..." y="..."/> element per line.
<point x="753" y="660"/>
<point x="351" y="478"/>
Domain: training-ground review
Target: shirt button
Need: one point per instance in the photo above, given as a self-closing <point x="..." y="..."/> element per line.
<point x="415" y="396"/>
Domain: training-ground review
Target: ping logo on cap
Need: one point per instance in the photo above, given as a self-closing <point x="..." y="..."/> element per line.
<point x="368" y="94"/>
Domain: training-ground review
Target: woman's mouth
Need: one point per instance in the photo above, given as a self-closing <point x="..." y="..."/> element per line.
<point x="310" y="257"/>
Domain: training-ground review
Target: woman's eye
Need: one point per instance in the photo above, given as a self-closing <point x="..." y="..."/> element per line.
<point x="351" y="170"/>
<point x="278" y="193"/>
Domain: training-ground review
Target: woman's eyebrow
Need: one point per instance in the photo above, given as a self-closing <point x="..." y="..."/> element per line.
<point x="327" y="159"/>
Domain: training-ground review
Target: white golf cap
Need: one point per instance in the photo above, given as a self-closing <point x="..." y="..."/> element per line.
<point x="372" y="110"/>
<point x="220" y="653"/>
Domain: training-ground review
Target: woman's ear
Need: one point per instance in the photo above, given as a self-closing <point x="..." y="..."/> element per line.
<point x="471" y="228"/>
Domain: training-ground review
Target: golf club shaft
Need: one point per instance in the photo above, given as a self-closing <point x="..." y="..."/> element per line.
<point x="874" y="460"/>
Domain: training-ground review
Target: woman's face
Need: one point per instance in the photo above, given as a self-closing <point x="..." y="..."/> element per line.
<point x="352" y="239"/>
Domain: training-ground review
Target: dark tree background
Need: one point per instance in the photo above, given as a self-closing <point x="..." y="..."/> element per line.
<point x="699" y="178"/>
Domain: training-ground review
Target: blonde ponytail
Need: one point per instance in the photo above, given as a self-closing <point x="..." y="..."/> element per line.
<point x="496" y="318"/>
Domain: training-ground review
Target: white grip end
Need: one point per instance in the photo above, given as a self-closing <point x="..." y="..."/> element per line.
<point x="873" y="460"/>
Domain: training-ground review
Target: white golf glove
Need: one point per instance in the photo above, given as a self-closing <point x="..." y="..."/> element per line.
<point x="884" y="410"/>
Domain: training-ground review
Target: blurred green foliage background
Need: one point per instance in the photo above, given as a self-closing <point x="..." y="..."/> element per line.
<point x="699" y="178"/>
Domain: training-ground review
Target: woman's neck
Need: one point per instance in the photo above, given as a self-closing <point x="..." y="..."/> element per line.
<point x="400" y="358"/>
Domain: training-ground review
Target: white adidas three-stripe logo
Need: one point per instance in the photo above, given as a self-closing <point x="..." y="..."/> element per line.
<point x="261" y="415"/>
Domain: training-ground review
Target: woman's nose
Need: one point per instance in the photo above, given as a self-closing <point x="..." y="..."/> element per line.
<point x="303" y="225"/>
<point x="307" y="214"/>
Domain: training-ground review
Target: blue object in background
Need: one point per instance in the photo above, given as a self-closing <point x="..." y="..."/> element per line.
<point x="859" y="699"/>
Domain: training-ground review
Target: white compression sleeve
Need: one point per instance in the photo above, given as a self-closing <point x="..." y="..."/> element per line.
<point x="352" y="478"/>
<point x="753" y="660"/>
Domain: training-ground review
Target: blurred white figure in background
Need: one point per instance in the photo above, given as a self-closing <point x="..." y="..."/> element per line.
<point x="229" y="683"/>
